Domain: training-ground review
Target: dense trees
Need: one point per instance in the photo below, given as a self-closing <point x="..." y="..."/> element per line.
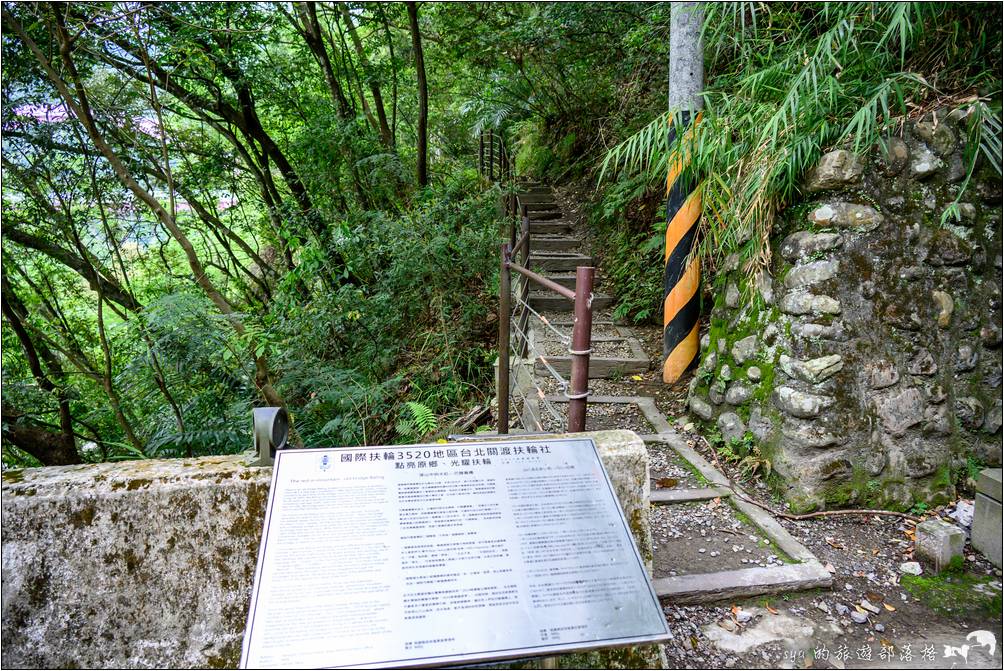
<point x="213" y="205"/>
<point x="188" y="190"/>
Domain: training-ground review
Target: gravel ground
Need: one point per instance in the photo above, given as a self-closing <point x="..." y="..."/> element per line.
<point x="834" y="628"/>
<point x="668" y="470"/>
<point x="601" y="416"/>
<point x="606" y="349"/>
<point x="599" y="331"/>
<point x="706" y="537"/>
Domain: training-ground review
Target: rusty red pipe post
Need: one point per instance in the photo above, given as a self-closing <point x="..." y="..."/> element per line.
<point x="580" y="349"/>
<point x="505" y="298"/>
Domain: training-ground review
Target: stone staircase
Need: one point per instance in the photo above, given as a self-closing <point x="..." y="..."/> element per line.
<point x="766" y="559"/>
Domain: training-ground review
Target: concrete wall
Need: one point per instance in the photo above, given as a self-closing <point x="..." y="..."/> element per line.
<point x="150" y="563"/>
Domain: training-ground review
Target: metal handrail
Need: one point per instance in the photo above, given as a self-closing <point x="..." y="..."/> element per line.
<point x="543" y="281"/>
<point x="581" y="331"/>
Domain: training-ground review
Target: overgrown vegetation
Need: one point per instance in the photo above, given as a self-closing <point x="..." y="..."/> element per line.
<point x="210" y="206"/>
<point x="213" y="206"/>
<point x="788" y="82"/>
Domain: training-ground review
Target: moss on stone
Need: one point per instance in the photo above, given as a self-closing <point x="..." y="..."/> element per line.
<point x="639" y="525"/>
<point x="953" y="592"/>
<point x="631" y="657"/>
<point x="767" y="538"/>
<point x="83" y="517"/>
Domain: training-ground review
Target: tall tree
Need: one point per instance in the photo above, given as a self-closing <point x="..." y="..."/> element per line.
<point x="52" y="448"/>
<point x="78" y="102"/>
<point x="374" y="84"/>
<point x="423" y="96"/>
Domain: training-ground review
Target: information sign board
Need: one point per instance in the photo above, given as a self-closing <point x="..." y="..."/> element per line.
<point x="444" y="554"/>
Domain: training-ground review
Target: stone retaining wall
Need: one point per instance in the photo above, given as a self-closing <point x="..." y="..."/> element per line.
<point x="866" y="365"/>
<point x="151" y="563"/>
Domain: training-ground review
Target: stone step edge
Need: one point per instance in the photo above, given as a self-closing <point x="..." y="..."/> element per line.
<point x="598" y="296"/>
<point x="666" y="434"/>
<point x="760" y="517"/>
<point x="637" y="356"/>
<point x="687" y="495"/>
<point x="747" y="582"/>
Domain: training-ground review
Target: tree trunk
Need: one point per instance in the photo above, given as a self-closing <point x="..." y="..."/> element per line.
<point x="393" y="81"/>
<point x="385" y="133"/>
<point x="423" y="97"/>
<point x="310" y="30"/>
<point x="50" y="448"/>
<point x="686" y="57"/>
<point x="681" y="300"/>
<point x="80" y="106"/>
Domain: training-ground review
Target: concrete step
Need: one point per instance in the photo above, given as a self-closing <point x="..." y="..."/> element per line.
<point x="549" y="206"/>
<point x="554" y="243"/>
<point x="535" y="197"/>
<point x="553" y="227"/>
<point x="548" y="300"/>
<point x="742" y="583"/>
<point x="559" y="261"/>
<point x="568" y="279"/>
<point x="548" y="215"/>
<point x="600" y="367"/>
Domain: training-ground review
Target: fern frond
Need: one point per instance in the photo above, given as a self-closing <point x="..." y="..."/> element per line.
<point x="423" y="417"/>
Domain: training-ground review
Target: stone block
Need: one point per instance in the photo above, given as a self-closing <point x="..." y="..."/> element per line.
<point x="803" y="303"/>
<point x="938" y="542"/>
<point x="988" y="520"/>
<point x="801" y="244"/>
<point x="731" y="426"/>
<point x="989" y="483"/>
<point x="846" y="215"/>
<point x="811" y="273"/>
<point x="799" y="403"/>
<point x="701" y="408"/>
<point x="836" y="169"/>
<point x="150" y="563"/>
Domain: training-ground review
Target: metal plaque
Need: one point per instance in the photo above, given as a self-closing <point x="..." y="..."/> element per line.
<point x="444" y="554"/>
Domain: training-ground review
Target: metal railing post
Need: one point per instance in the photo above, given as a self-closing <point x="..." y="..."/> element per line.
<point x="512" y="235"/>
<point x="580" y="349"/>
<point x="481" y="154"/>
<point x="491" y="155"/>
<point x="505" y="299"/>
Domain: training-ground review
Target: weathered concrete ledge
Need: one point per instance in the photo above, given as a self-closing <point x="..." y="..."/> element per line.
<point x="150" y="563"/>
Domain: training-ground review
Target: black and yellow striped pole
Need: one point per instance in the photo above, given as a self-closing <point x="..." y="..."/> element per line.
<point x="681" y="292"/>
<point x="682" y="302"/>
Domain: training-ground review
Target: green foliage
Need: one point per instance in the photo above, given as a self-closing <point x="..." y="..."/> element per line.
<point x="418" y="421"/>
<point x="780" y="92"/>
<point x="745" y="452"/>
<point x="919" y="508"/>
<point x="630" y="235"/>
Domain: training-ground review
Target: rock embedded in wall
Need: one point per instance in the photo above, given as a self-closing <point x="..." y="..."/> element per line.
<point x="867" y="362"/>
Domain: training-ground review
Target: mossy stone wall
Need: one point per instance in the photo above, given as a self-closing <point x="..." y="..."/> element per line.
<point x="874" y="341"/>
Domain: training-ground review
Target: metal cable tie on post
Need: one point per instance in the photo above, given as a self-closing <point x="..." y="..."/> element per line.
<point x="575" y="397"/>
<point x="580" y="352"/>
<point x="564" y="338"/>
